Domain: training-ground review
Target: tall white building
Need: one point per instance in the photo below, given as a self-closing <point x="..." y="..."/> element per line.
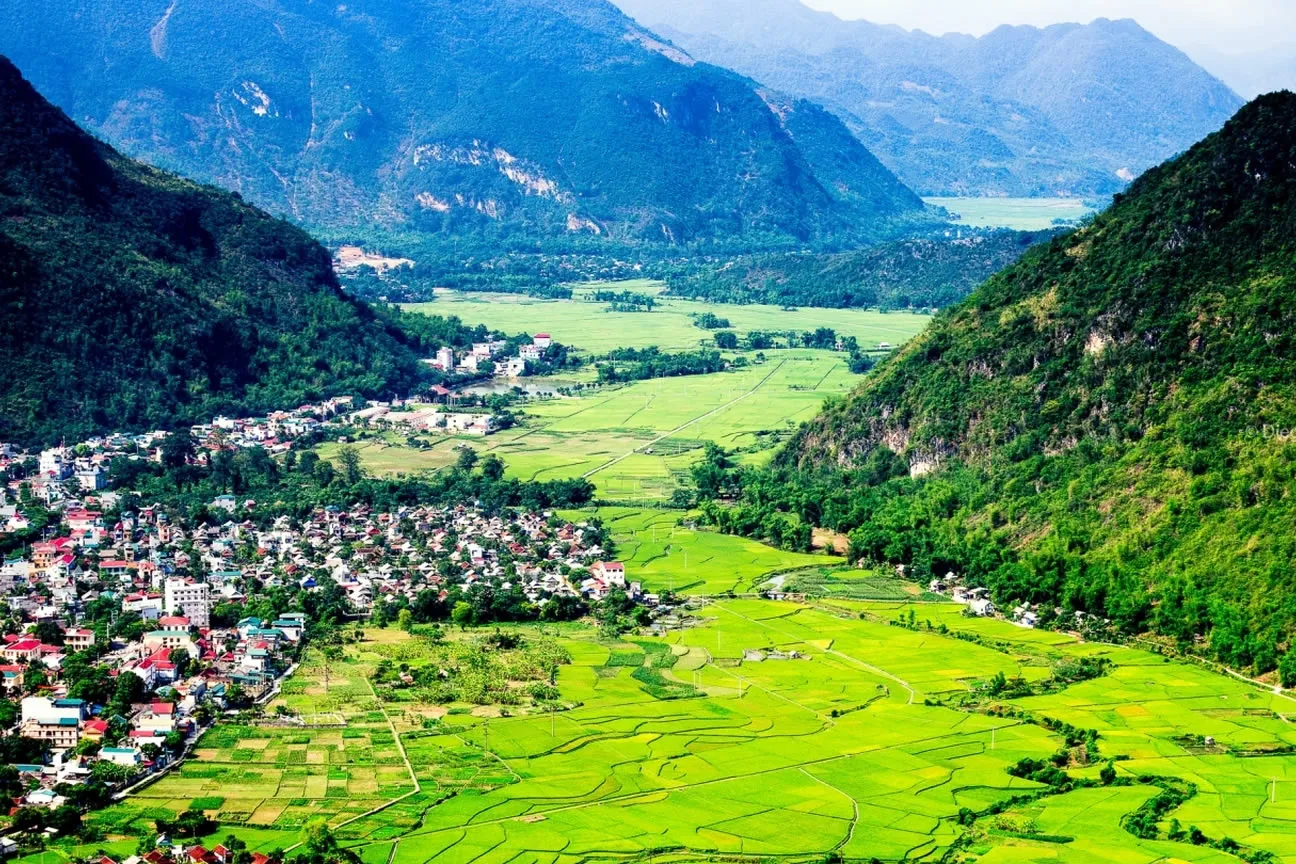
<point x="190" y="599"/>
<point x="55" y="463"/>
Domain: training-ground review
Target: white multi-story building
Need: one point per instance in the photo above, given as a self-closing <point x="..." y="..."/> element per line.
<point x="190" y="599"/>
<point x="55" y="463"/>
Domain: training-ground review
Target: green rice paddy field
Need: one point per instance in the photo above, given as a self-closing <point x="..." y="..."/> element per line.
<point x="684" y="748"/>
<point x="663" y="555"/>
<point x="637" y="441"/>
<point x="590" y="327"/>
<point x="1022" y="214"/>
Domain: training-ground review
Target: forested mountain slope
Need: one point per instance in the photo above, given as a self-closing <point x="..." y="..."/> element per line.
<point x="134" y="299"/>
<point x="1065" y="110"/>
<point x="495" y="120"/>
<point x="1102" y="425"/>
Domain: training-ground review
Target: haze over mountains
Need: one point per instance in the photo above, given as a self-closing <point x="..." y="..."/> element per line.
<point x="1065" y="110"/>
<point x="1253" y="73"/>
<point x="500" y="119"/>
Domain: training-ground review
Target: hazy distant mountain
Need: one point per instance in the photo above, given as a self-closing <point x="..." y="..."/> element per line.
<point x="1254" y="73"/>
<point x="1069" y="109"/>
<point x="503" y="119"/>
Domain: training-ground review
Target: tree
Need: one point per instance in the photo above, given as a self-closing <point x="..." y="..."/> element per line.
<point x="10" y="781"/>
<point x="236" y="696"/>
<point x="405" y="620"/>
<point x="174" y="742"/>
<point x="190" y="823"/>
<point x="462" y="614"/>
<point x="316" y="836"/>
<point x="352" y="470"/>
<point x="180" y="657"/>
<point x="130" y="689"/>
<point x="177" y="450"/>
<point x="66" y="819"/>
<point x="29" y="819"/>
<point x="1287" y="669"/>
<point x="726" y="341"/>
<point x="467" y="459"/>
<point x="48" y="632"/>
<point x="493" y="468"/>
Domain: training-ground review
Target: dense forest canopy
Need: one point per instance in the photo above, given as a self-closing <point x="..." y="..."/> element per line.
<point x="1098" y="427"/>
<point x="133" y="299"/>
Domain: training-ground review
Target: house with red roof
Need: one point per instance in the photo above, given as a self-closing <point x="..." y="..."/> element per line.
<point x="94" y="729"/>
<point x="22" y="650"/>
<point x="78" y="639"/>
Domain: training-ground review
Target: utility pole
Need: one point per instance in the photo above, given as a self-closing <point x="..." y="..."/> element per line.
<point x="487" y="744"/>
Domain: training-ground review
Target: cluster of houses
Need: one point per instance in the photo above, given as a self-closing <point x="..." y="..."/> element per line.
<point x="143" y="739"/>
<point x="977" y="600"/>
<point x="382" y="557"/>
<point x="473" y="360"/>
<point x="978" y="603"/>
<point x="274" y="432"/>
<point x="143" y="563"/>
<point x="415" y="417"/>
<point x="61" y="475"/>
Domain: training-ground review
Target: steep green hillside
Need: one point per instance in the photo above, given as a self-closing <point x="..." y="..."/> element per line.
<point x="133" y="299"/>
<point x="1100" y="426"/>
<point x="1065" y="110"/>
<point x="504" y="121"/>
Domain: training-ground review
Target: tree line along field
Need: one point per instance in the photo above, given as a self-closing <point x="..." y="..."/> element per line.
<point x="590" y="326"/>
<point x="1020" y="214"/>
<point x="687" y="748"/>
<point x="636" y="442"/>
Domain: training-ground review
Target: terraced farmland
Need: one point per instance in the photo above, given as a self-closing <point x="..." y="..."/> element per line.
<point x="779" y="731"/>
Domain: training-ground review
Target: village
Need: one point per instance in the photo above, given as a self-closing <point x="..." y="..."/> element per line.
<point x="127" y="633"/>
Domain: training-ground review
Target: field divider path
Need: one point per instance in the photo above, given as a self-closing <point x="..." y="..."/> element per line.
<point x="400" y="745"/>
<point x="850" y="833"/>
<point x="870" y="667"/>
<point x="876" y="671"/>
<point x="660" y="438"/>
<point x="750" y="683"/>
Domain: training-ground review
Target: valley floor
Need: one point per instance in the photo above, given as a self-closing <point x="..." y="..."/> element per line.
<point x="636" y="441"/>
<point x="691" y="746"/>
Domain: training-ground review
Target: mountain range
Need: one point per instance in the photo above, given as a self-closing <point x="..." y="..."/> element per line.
<point x="506" y="121"/>
<point x="1066" y="110"/>
<point x="1105" y="425"/>
<point x="133" y="299"/>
